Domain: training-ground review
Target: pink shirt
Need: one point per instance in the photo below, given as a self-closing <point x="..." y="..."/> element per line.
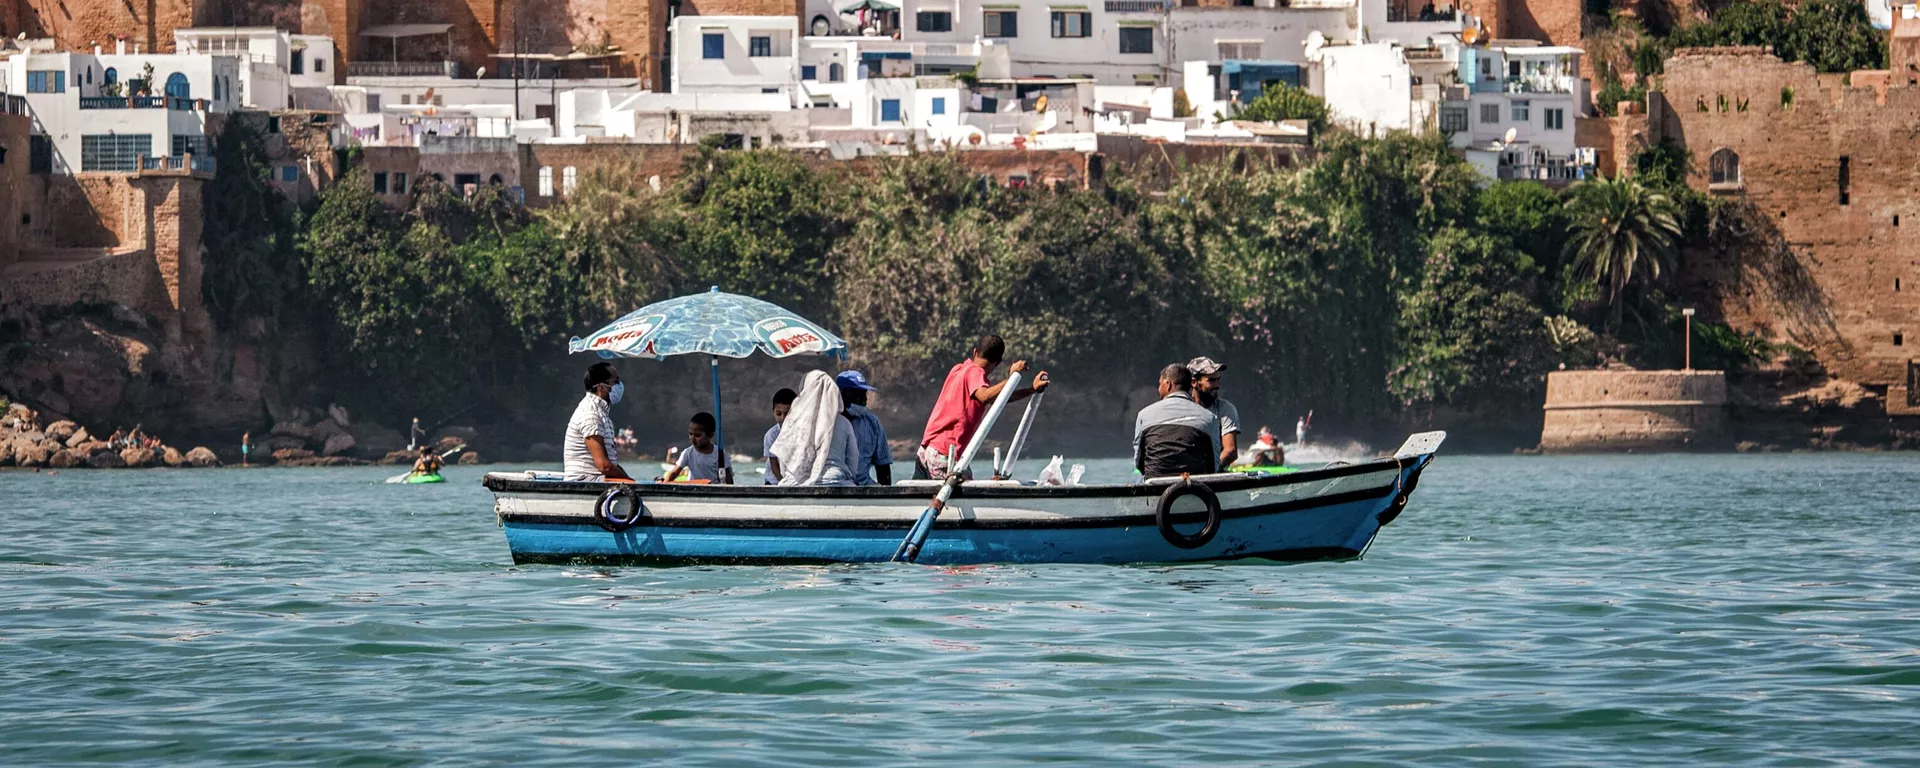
<point x="956" y="415"/>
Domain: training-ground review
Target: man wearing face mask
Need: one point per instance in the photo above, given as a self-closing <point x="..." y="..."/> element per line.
<point x="587" y="451"/>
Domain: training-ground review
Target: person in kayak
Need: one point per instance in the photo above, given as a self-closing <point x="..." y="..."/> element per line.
<point x="429" y="462"/>
<point x="1175" y="436"/>
<point x="1206" y="392"/>
<point x="586" y="452"/>
<point x="962" y="405"/>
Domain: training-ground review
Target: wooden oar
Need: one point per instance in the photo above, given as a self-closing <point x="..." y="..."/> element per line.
<point x="909" y="550"/>
<point x="1005" y="471"/>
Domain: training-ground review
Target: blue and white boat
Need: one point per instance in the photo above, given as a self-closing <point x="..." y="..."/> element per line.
<point x="1330" y="513"/>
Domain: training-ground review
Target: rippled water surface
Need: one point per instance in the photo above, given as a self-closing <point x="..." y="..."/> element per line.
<point x="1647" y="610"/>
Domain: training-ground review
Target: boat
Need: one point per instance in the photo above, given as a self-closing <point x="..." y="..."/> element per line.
<point x="1327" y="513"/>
<point x="419" y="479"/>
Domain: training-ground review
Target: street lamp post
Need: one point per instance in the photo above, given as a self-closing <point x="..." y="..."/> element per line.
<point x="1687" y="363"/>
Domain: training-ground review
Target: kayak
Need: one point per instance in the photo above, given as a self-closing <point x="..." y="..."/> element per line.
<point x="421" y="479"/>
<point x="1262" y="470"/>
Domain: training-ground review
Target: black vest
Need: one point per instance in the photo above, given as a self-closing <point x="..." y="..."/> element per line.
<point x="1169" y="450"/>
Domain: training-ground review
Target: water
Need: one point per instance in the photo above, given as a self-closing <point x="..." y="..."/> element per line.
<point x="1753" y="610"/>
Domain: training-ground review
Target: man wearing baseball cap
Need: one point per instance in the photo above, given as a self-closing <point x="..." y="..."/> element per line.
<point x="872" y="452"/>
<point x="1206" y="391"/>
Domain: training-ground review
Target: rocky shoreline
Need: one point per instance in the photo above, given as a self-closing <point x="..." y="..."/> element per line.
<point x="328" y="441"/>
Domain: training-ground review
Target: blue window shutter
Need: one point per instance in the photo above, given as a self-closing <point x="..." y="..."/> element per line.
<point x="809" y="72"/>
<point x="939" y="105"/>
<point x="713" y="45"/>
<point x="889" y="110"/>
<point x="60" y="81"/>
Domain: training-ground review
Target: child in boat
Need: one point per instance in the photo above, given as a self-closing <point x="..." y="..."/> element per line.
<point x="782" y="403"/>
<point x="701" y="459"/>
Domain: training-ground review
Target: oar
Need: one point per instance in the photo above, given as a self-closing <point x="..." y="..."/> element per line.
<point x="1005" y="471"/>
<point x="909" y="550"/>
<point x="402" y="477"/>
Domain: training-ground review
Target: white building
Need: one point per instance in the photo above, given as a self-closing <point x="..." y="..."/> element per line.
<point x="106" y="112"/>
<point x="278" y="70"/>
<point x="1513" y="113"/>
<point x="1412" y="23"/>
<point x="735" y="54"/>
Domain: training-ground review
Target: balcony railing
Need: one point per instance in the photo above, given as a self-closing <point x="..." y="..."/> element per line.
<point x="136" y="102"/>
<point x="1136" y="6"/>
<point x="1550" y="171"/>
<point x="1540" y="84"/>
<point x="1397" y="13"/>
<point x="16" y="105"/>
<point x="404" y="69"/>
<point x="192" y="163"/>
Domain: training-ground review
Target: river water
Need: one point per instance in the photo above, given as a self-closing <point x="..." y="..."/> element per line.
<point x="1754" y="610"/>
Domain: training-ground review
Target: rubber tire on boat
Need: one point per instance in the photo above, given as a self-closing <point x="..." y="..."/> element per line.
<point x="603" y="509"/>
<point x="1163" y="514"/>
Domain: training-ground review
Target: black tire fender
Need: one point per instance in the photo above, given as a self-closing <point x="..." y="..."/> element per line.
<point x="1163" y="514"/>
<point x="604" y="508"/>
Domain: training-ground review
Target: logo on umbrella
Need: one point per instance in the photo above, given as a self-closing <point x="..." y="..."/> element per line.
<point x="787" y="336"/>
<point x="620" y="336"/>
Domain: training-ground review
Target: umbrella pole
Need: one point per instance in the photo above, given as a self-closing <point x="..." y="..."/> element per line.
<point x="719" y="424"/>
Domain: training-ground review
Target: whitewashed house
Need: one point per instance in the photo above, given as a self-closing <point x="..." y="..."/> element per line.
<point x="1533" y="91"/>
<point x="278" y="70"/>
<point x="735" y="54"/>
<point x="96" y="112"/>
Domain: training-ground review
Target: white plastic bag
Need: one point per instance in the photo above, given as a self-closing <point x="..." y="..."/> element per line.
<point x="1051" y="475"/>
<point x="1074" y="474"/>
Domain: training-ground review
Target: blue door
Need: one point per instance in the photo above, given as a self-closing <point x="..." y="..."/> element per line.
<point x="177" y="87"/>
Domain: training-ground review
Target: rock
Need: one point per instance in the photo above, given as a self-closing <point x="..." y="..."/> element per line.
<point x="339" y="415"/>
<point x="325" y="461"/>
<point x="20" y="411"/>
<point x="172" y="457"/>
<point x="78" y="438"/>
<point x="325" y="431"/>
<point x="90" y="447"/>
<point x="469" y="459"/>
<point x="202" y="457"/>
<point x="61" y="430"/>
<point x="291" y="454"/>
<point x="64" y="460"/>
<point x="457" y="434"/>
<point x="283" y="442"/>
<point x="375" y="440"/>
<point x="447" y="443"/>
<point x="293" y="429"/>
<point x="30" y="437"/>
<point x="31" y="456"/>
<point x="137" y="457"/>
<point x="106" y="460"/>
<point x="398" y="457"/>
<point x="6" y="453"/>
<point x="337" y="444"/>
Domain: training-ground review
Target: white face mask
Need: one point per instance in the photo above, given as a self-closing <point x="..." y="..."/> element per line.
<point x="618" y="391"/>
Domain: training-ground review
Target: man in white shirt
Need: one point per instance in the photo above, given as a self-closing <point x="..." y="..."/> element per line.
<point x="587" y="452"/>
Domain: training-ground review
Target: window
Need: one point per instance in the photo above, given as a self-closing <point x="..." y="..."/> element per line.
<point x="1486" y="67"/>
<point x="47" y="81"/>
<point x="177" y="87"/>
<point x="111" y="76"/>
<point x="1243" y="50"/>
<point x="836" y="72"/>
<point x="933" y="21"/>
<point x="1453" y="119"/>
<point x="1136" y="39"/>
<point x="809" y="72"/>
<point x="39" y="154"/>
<point x="319" y="65"/>
<point x="546" y="181"/>
<point x="1520" y="109"/>
<point x="299" y="62"/>
<point x="273" y="125"/>
<point x="940" y="105"/>
<point x="373" y="102"/>
<point x="399" y="183"/>
<point x="114" y="152"/>
<point x="1556" y="119"/>
<point x="1723" y="167"/>
<point x="463" y="180"/>
<point x="759" y="46"/>
<point x="1846" y="177"/>
<point x="1001" y="23"/>
<point x="1489" y="114"/>
<point x="189" y="145"/>
<point x="380" y="182"/>
<point x="568" y="176"/>
<point x="1072" y="24"/>
<point x="289" y="173"/>
<point x="889" y="110"/>
<point x="713" y="45"/>
<point x="216" y="89"/>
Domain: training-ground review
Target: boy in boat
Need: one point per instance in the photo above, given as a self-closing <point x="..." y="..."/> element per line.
<point x="587" y="450"/>
<point x="1206" y="392"/>
<point x="962" y="405"/>
<point x="1175" y="436"/>
<point x="429" y="462"/>
<point x="874" y="458"/>
<point x="701" y="459"/>
<point x="782" y="404"/>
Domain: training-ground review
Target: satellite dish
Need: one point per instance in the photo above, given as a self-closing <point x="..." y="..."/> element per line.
<point x="427" y="98"/>
<point x="1506" y="140"/>
<point x="479" y="73"/>
<point x="1315" y="42"/>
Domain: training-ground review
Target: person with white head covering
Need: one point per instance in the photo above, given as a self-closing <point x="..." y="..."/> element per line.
<point x="817" y="445"/>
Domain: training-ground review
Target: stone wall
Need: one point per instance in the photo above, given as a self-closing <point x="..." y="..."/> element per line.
<point x="1831" y="173"/>
<point x="1597" y="411"/>
<point x="14" y="130"/>
<point x="78" y="25"/>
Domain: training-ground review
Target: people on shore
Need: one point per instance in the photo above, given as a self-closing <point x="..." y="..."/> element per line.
<point x="816" y="445"/>
<point x="701" y="459"/>
<point x="587" y="450"/>
<point x="782" y="403"/>
<point x="246" y="447"/>
<point x="873" y="460"/>
<point x="962" y="405"/>
<point x="1206" y="392"/>
<point x="429" y="462"/>
<point x="1175" y="435"/>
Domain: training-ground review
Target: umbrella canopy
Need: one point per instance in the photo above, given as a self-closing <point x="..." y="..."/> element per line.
<point x="712" y="323"/>
<point x="854" y="6"/>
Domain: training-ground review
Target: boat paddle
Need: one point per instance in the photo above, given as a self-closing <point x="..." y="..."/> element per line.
<point x="909" y="550"/>
<point x="402" y="477"/>
<point x="1005" y="471"/>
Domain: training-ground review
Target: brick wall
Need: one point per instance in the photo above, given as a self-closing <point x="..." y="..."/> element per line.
<point x="80" y="24"/>
<point x="1589" y="411"/>
<point x="1838" y="279"/>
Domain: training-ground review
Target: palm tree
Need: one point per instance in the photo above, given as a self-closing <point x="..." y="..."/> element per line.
<point x="1619" y="228"/>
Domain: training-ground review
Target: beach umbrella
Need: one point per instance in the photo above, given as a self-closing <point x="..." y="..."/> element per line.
<point x="714" y="324"/>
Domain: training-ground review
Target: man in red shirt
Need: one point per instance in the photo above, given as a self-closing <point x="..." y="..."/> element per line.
<point x="963" y="404"/>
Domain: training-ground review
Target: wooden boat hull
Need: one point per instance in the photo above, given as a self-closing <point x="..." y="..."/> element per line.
<point x="1331" y="513"/>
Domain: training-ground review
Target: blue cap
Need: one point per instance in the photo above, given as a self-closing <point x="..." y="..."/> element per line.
<point x="852" y="380"/>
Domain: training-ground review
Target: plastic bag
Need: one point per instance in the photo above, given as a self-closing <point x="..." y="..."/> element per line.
<point x="1051" y="474"/>
<point x="1074" y="474"/>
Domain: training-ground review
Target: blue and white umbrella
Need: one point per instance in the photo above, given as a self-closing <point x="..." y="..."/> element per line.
<point x="711" y="323"/>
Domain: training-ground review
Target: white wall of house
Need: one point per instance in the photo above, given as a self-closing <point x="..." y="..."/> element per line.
<point x="533" y="95"/>
<point x="1535" y="92"/>
<point x="1086" y="43"/>
<point x="1368" y="87"/>
<point x="73" y="111"/>
<point x="938" y="104"/>
<point x="1214" y="35"/>
<point x="735" y="54"/>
